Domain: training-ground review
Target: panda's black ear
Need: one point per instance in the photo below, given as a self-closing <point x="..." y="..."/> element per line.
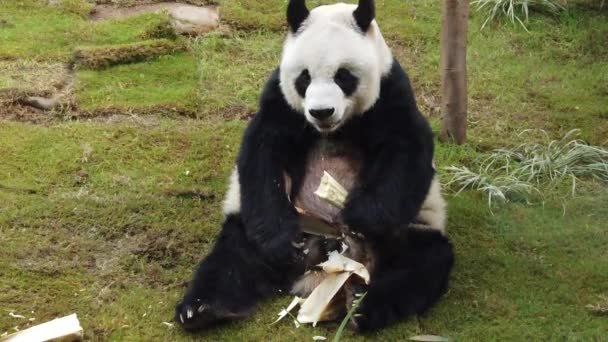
<point x="296" y="14"/>
<point x="364" y="14"/>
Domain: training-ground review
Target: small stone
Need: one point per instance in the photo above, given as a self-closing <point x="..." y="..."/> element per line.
<point x="41" y="102"/>
<point x="194" y="20"/>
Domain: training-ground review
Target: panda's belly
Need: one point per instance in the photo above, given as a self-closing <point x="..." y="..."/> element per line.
<point x="342" y="161"/>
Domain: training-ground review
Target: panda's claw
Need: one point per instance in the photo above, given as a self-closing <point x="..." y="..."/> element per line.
<point x="200" y="315"/>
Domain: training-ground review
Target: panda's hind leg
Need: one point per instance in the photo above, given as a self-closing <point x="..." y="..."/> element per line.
<point x="229" y="282"/>
<point x="409" y="277"/>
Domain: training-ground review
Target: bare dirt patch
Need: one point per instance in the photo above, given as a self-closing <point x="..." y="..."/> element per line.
<point x="119" y="119"/>
<point x="24" y="113"/>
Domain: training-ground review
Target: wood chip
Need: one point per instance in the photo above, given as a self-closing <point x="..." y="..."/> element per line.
<point x="65" y="328"/>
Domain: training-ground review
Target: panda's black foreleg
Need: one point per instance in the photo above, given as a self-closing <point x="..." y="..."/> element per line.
<point x="229" y="282"/>
<point x="409" y="277"/>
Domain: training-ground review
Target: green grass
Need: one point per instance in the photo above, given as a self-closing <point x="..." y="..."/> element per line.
<point x="39" y="32"/>
<point x="247" y="60"/>
<point x="169" y="82"/>
<point x="108" y="218"/>
<point x="553" y="78"/>
<point x="106" y="237"/>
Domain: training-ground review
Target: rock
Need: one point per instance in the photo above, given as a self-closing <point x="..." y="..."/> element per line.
<point x="186" y="19"/>
<point x="42" y="102"/>
<point x="193" y="20"/>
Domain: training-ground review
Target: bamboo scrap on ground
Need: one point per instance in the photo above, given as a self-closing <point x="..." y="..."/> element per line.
<point x="63" y="329"/>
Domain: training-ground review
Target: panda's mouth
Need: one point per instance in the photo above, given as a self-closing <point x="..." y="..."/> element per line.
<point x="326" y="127"/>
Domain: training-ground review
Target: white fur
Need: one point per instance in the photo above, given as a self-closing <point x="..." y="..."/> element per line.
<point x="327" y="41"/>
<point x="232" y="202"/>
<point x="432" y="215"/>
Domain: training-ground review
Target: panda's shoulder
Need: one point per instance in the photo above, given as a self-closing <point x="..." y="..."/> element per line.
<point x="272" y="94"/>
<point x="396" y="89"/>
<point x="274" y="113"/>
<point x="396" y="109"/>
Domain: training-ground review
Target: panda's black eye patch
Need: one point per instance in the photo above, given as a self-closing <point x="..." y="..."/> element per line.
<point x="346" y="81"/>
<point x="302" y="82"/>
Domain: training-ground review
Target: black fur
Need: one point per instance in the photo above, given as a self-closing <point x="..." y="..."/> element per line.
<point x="411" y="275"/>
<point x="365" y="14"/>
<point x="296" y="14"/>
<point x="346" y="81"/>
<point x="255" y="257"/>
<point x="229" y="282"/>
<point x="302" y="83"/>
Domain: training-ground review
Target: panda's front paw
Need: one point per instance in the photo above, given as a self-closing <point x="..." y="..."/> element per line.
<point x="195" y="315"/>
<point x="362" y="214"/>
<point x="365" y="318"/>
<point x="283" y="249"/>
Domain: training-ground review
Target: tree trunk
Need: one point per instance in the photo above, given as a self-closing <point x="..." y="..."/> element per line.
<point x="454" y="71"/>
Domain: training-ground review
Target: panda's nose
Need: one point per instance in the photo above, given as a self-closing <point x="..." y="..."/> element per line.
<point x="321" y="114"/>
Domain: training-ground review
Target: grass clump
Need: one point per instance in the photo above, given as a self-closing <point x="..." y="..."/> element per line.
<point x="515" y="10"/>
<point x="101" y="57"/>
<point x="161" y="28"/>
<point x="557" y="159"/>
<point x="517" y="173"/>
<point x="489" y="181"/>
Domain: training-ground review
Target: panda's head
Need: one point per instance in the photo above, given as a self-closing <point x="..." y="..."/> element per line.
<point x="333" y="61"/>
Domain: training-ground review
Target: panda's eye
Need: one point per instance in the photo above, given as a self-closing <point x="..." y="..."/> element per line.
<point x="346" y="81"/>
<point x="302" y="82"/>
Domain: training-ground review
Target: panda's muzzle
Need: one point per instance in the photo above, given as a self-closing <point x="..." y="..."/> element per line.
<point x="322" y="114"/>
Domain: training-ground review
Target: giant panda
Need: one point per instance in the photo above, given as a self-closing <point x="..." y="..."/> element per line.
<point x="338" y="94"/>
